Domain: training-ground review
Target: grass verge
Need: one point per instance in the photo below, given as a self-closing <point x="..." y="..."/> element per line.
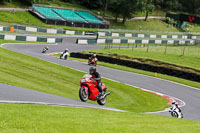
<point x="36" y="118"/>
<point x="174" y="54"/>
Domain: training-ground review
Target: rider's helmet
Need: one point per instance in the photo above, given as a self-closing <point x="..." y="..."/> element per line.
<point x="67" y="49"/>
<point x="95" y="55"/>
<point x="173" y="102"/>
<point x="92" y="70"/>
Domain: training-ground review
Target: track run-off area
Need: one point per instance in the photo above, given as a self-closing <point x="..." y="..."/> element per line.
<point x="187" y="97"/>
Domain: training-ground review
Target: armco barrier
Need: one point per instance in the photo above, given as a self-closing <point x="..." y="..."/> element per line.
<point x="30" y="38"/>
<point x="135" y="41"/>
<point x="141" y="66"/>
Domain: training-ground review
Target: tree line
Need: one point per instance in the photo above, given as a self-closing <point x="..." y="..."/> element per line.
<point x="126" y="8"/>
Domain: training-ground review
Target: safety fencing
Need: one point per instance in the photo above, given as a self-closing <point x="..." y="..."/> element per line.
<point x="147" y="67"/>
<point x="44" y="30"/>
<point x="135" y="41"/>
<point x="135" y="35"/>
<point x="30" y="38"/>
<point x="102" y="34"/>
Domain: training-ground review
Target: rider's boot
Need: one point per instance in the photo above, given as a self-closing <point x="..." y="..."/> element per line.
<point x="100" y="94"/>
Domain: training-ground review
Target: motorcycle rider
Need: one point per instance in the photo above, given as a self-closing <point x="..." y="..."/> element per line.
<point x="96" y="76"/>
<point x="65" y="54"/>
<point x="92" y="57"/>
<point x="174" y="106"/>
<point x="45" y="49"/>
<point x="66" y="51"/>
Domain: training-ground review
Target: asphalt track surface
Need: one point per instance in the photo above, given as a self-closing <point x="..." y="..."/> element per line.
<point x="189" y="95"/>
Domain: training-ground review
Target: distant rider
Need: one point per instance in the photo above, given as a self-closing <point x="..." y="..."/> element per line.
<point x="96" y="76"/>
<point x="92" y="57"/>
<point x="45" y="49"/>
<point x="65" y="54"/>
<point x="174" y="106"/>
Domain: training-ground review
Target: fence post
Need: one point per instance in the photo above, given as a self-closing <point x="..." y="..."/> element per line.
<point x="183" y="51"/>
<point x="165" y="50"/>
<point x="147" y="48"/>
<point x="132" y="47"/>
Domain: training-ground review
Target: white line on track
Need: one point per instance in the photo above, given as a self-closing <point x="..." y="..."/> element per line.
<point x="56" y="104"/>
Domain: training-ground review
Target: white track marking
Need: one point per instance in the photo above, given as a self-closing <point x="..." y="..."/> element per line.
<point x="56" y="104"/>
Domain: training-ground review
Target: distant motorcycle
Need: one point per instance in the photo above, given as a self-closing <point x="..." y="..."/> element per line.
<point x="176" y="112"/>
<point x="93" y="61"/>
<point x="65" y="54"/>
<point x="44" y="50"/>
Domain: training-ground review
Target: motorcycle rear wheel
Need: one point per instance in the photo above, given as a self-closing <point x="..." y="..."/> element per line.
<point x="83" y="95"/>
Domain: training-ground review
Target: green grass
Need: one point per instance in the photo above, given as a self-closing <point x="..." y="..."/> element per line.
<point x="151" y="25"/>
<point x="48" y="119"/>
<point x="36" y="74"/>
<point x="172" y="56"/>
<point x="156" y="12"/>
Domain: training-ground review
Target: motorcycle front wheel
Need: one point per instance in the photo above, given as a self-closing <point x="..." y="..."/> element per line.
<point x="65" y="57"/>
<point x="102" y="101"/>
<point x="83" y="95"/>
<point x="174" y="114"/>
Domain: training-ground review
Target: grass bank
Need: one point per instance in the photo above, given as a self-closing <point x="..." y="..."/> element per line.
<point x="36" y="118"/>
<point x="173" y="54"/>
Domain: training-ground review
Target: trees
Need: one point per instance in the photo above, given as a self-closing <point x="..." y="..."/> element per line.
<point x="125" y="8"/>
<point x="92" y="4"/>
<point x="106" y="3"/>
<point x="129" y="7"/>
<point x="149" y="6"/>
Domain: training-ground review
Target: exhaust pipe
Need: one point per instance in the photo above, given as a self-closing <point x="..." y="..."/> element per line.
<point x="106" y="94"/>
<point x="99" y="98"/>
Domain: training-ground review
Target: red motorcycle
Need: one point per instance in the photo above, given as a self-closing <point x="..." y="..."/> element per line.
<point x="89" y="90"/>
<point x="93" y="62"/>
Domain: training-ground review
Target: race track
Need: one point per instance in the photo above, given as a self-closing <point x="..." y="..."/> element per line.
<point x="189" y="95"/>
